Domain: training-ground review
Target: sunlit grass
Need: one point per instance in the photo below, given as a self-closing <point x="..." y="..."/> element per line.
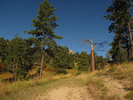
<point x="8" y="88"/>
<point x="92" y="80"/>
<point x="122" y="71"/>
<point x="5" y="76"/>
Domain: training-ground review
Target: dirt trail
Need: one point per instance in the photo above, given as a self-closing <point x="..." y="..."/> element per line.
<point x="114" y="87"/>
<point x="71" y="88"/>
<point x="68" y="90"/>
<point x="67" y="93"/>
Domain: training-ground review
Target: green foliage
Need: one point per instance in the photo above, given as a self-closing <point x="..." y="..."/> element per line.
<point x="75" y="68"/>
<point x="45" y="23"/>
<point x="37" y="56"/>
<point x="44" y="27"/>
<point x="19" y="54"/>
<point x="3" y="51"/>
<point x="119" y="14"/>
<point x="119" y="54"/>
<point x="107" y="58"/>
<point x="102" y="64"/>
<point x="60" y="71"/>
<point x="76" y="56"/>
<point x="83" y="63"/>
<point x="99" y="62"/>
<point x="61" y="58"/>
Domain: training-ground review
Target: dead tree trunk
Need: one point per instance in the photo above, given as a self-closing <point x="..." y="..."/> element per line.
<point x="92" y="50"/>
<point x="92" y="57"/>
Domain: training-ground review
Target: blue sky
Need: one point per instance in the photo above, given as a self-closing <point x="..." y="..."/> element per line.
<point x="77" y="18"/>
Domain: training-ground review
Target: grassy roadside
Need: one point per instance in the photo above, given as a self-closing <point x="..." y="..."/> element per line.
<point x="95" y="83"/>
<point x="11" y="88"/>
<point x="48" y="77"/>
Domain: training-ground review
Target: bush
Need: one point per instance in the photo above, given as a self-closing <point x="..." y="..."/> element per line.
<point x="59" y="71"/>
<point x="83" y="68"/>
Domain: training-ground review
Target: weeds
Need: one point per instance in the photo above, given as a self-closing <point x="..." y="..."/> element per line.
<point x="129" y="95"/>
<point x="121" y="71"/>
<point x="8" y="88"/>
<point x="113" y="97"/>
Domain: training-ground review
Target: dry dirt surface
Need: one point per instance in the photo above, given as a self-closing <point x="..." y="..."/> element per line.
<point x="68" y="90"/>
<point x="114" y="87"/>
<point x="67" y="93"/>
<point x="75" y="92"/>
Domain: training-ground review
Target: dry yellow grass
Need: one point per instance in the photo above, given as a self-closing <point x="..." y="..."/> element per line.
<point x="62" y="76"/>
<point x="5" y="76"/>
<point x="94" y="81"/>
<point x="8" y="88"/>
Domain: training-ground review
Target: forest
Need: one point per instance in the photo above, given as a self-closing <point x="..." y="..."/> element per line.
<point x="41" y="52"/>
<point x="18" y="57"/>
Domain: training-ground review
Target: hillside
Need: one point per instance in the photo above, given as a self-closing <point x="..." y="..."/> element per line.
<point x="112" y="83"/>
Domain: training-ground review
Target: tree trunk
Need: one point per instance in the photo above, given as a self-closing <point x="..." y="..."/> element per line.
<point x="42" y="57"/>
<point x="16" y="70"/>
<point x="131" y="42"/>
<point x="92" y="57"/>
<point x="120" y="51"/>
<point x="9" y="71"/>
<point x="13" y="70"/>
<point x="128" y="58"/>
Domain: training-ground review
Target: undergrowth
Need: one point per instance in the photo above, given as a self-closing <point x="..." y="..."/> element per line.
<point x="9" y="88"/>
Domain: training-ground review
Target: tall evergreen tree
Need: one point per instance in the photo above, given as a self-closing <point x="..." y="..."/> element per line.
<point x="62" y="59"/>
<point x="119" y="14"/>
<point x="3" y="51"/>
<point x="83" y="62"/>
<point x="19" y="57"/>
<point x="15" y="49"/>
<point x="44" y="27"/>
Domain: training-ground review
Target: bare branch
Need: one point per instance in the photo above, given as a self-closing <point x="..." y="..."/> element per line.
<point x="92" y="49"/>
<point x="89" y="41"/>
<point x="84" y="41"/>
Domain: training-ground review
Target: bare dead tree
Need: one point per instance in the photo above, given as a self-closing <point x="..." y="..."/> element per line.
<point x="92" y="46"/>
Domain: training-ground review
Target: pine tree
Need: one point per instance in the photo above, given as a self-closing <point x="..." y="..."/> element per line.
<point x="83" y="62"/>
<point x="44" y="27"/>
<point x="3" y="51"/>
<point x="15" y="52"/>
<point x="119" y="14"/>
<point x="117" y="51"/>
<point x="19" y="56"/>
<point x="60" y="60"/>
